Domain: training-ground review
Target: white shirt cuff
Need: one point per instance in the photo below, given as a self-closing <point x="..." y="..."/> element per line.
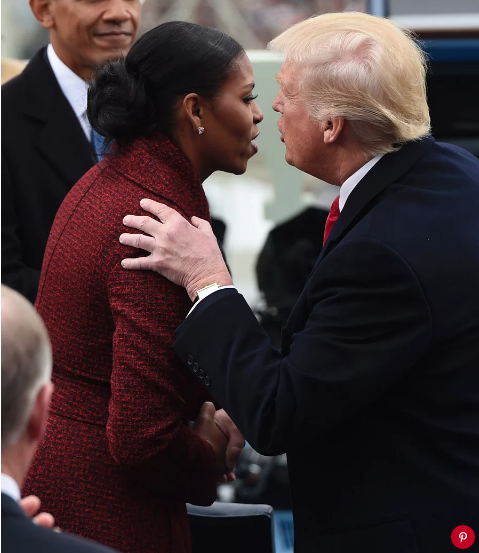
<point x="209" y="294"/>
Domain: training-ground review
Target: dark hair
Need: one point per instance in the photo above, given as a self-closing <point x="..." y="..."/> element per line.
<point x="137" y="95"/>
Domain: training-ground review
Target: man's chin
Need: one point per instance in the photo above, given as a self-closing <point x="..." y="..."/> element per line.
<point x="289" y="160"/>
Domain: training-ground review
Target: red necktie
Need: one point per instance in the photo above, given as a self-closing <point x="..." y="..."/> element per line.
<point x="332" y="218"/>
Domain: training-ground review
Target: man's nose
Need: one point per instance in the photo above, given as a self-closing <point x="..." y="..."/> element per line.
<point x="117" y="10"/>
<point x="277" y="104"/>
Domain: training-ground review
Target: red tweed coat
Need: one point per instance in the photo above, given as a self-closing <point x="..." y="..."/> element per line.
<point x="119" y="461"/>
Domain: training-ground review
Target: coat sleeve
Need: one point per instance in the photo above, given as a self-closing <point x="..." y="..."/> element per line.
<point x="369" y="323"/>
<point x="148" y="425"/>
<point x="15" y="272"/>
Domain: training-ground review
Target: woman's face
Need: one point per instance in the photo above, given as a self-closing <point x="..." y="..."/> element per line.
<point x="231" y="122"/>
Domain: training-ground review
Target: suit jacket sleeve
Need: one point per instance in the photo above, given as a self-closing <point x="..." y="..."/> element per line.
<point x="15" y="272"/>
<point x="148" y="426"/>
<point x="369" y="322"/>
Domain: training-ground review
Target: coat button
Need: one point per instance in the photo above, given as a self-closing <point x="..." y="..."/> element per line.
<point x="207" y="381"/>
<point x="190" y="360"/>
<point x="201" y="374"/>
<point x="196" y="367"/>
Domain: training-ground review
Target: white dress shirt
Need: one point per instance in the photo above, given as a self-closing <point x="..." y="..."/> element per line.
<point x="345" y="190"/>
<point x="10" y="487"/>
<point x="73" y="87"/>
<point x="350" y="184"/>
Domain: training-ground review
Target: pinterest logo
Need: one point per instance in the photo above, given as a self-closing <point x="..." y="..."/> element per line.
<point x="463" y="537"/>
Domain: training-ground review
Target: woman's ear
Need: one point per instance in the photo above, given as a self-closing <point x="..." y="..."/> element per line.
<point x="193" y="109"/>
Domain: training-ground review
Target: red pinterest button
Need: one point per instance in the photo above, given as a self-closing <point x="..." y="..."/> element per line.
<point x="463" y="537"/>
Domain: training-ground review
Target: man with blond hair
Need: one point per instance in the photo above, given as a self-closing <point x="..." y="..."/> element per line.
<point x="26" y="393"/>
<point x="374" y="396"/>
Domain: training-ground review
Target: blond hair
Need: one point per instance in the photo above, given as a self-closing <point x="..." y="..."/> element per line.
<point x="365" y="69"/>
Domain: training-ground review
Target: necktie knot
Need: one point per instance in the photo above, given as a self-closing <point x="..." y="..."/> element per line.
<point x="332" y="218"/>
<point x="98" y="144"/>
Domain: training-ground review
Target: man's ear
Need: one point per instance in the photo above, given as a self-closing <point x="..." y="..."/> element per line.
<point x="38" y="419"/>
<point x="41" y="9"/>
<point x="332" y="129"/>
<point x="193" y="107"/>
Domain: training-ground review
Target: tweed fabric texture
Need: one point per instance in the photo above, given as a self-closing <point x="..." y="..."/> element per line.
<point x="119" y="461"/>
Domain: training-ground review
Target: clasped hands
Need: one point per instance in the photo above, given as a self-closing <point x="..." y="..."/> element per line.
<point x="216" y="427"/>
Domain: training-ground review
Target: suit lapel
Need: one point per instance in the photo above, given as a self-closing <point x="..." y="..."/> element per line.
<point x="61" y="139"/>
<point x="387" y="171"/>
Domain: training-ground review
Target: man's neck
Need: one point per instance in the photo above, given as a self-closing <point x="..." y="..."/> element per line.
<point x="83" y="71"/>
<point x="349" y="165"/>
<point x="13" y="464"/>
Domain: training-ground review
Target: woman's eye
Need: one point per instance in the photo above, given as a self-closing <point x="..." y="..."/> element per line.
<point x="249" y="99"/>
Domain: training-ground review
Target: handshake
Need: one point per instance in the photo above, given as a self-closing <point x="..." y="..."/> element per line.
<point x="216" y="427"/>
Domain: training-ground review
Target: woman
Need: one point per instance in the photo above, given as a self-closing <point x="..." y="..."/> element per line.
<point x="119" y="460"/>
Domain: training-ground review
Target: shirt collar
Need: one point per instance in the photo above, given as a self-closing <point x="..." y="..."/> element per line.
<point x="10" y="487"/>
<point x="73" y="87"/>
<point x="350" y="184"/>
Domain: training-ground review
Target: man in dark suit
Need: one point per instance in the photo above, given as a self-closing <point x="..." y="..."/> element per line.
<point x="48" y="143"/>
<point x="375" y="393"/>
<point x="26" y="393"/>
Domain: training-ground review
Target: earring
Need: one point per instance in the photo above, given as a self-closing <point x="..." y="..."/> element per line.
<point x="201" y="130"/>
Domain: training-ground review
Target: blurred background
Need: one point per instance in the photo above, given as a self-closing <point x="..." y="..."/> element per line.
<point x="270" y="192"/>
<point x="273" y="208"/>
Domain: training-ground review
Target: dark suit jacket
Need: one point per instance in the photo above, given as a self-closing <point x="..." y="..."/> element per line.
<point x="44" y="153"/>
<point x="21" y="535"/>
<point x="375" y="395"/>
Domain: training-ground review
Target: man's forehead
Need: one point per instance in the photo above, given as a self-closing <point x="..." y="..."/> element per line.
<point x="287" y="74"/>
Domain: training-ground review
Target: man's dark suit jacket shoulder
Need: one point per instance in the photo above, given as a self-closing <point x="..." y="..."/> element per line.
<point x="375" y="394"/>
<point x="44" y="153"/>
<point x="21" y="535"/>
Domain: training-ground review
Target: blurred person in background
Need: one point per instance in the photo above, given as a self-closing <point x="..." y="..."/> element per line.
<point x="375" y="393"/>
<point x="120" y="461"/>
<point x="48" y="143"/>
<point x="26" y="393"/>
<point x="284" y="265"/>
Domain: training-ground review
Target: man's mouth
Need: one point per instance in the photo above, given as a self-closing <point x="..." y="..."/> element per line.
<point x="114" y="35"/>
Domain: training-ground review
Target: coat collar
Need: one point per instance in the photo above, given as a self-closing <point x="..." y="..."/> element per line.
<point x="155" y="159"/>
<point x="387" y="171"/>
<point x="11" y="507"/>
<point x="61" y="138"/>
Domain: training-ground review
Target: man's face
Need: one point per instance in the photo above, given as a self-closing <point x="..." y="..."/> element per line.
<point x="303" y="136"/>
<point x="85" y="33"/>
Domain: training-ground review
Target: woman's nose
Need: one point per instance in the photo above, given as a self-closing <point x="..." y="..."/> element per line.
<point x="257" y="114"/>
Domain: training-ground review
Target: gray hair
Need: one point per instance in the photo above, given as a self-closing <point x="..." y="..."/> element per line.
<point x="26" y="363"/>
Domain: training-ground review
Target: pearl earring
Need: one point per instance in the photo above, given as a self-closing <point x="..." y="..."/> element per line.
<point x="201" y="130"/>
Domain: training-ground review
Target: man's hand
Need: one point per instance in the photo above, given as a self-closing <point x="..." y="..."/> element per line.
<point x="206" y="428"/>
<point x="187" y="254"/>
<point x="30" y="505"/>
<point x="235" y="438"/>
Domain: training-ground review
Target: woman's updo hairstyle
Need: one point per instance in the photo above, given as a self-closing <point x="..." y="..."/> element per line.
<point x="137" y="95"/>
